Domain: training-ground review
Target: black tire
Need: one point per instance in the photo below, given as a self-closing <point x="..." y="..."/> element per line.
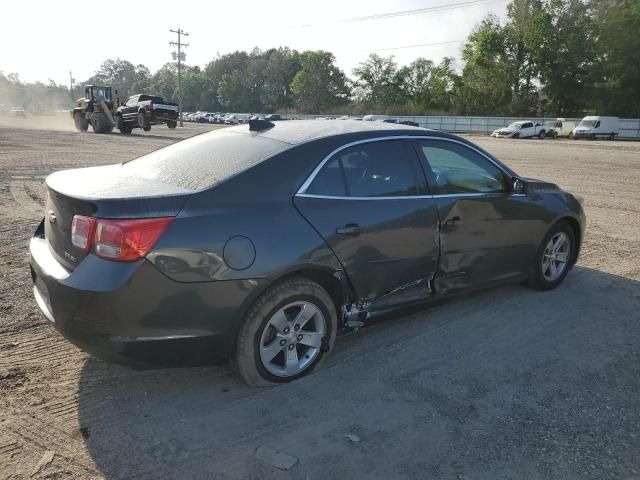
<point x="125" y="129"/>
<point x="143" y="121"/>
<point x="542" y="134"/>
<point x="247" y="359"/>
<point x="555" y="135"/>
<point x="172" y="125"/>
<point x="612" y="136"/>
<point x="537" y="278"/>
<point x="82" y="125"/>
<point x="98" y="122"/>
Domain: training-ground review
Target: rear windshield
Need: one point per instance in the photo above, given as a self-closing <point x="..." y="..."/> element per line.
<point x="205" y="160"/>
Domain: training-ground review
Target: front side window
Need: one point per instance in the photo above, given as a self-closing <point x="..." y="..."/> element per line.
<point x="458" y="169"/>
<point x="375" y="169"/>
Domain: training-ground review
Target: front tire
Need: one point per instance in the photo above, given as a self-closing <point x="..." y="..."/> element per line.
<point x="171" y="124"/>
<point x="286" y="333"/>
<point x="541" y="135"/>
<point x="82" y="124"/>
<point x="554" y="257"/>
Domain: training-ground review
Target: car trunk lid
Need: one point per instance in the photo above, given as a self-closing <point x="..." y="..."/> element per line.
<point x="102" y="192"/>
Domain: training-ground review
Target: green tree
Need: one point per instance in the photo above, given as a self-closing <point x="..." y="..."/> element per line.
<point x="485" y="85"/>
<point x="428" y="87"/>
<point x="281" y="67"/>
<point x="567" y="57"/>
<point x="379" y="83"/>
<point x="617" y="85"/>
<point x="319" y="85"/>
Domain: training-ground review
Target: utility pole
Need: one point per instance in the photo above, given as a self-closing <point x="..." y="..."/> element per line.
<point x="180" y="56"/>
<point x="71" y="80"/>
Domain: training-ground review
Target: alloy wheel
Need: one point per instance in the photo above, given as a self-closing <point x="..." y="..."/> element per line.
<point x="292" y="339"/>
<point x="556" y="257"/>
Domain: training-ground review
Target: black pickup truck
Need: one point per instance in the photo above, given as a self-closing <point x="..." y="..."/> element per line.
<point x="142" y="111"/>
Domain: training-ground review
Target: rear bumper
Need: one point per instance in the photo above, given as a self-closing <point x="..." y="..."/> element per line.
<point x="131" y="313"/>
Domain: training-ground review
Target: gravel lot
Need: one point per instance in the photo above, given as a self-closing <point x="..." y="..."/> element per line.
<point x="507" y="383"/>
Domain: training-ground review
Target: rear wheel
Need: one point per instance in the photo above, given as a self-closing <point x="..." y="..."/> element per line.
<point x="541" y="135"/>
<point x="555" y="135"/>
<point x="143" y="122"/>
<point x="286" y="333"/>
<point x="554" y="257"/>
<point x="171" y="125"/>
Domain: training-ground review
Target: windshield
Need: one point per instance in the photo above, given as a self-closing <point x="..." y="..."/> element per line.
<point x="102" y="93"/>
<point x="205" y="160"/>
<point x="515" y="125"/>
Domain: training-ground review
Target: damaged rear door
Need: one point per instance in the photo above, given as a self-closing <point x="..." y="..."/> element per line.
<point x="369" y="201"/>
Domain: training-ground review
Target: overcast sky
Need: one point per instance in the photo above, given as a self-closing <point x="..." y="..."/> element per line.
<point x="43" y="40"/>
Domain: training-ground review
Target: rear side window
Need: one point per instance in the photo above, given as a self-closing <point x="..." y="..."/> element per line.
<point x="205" y="160"/>
<point x="458" y="169"/>
<point x="375" y="169"/>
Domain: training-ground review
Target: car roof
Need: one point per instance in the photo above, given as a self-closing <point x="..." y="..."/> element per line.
<point x="303" y="131"/>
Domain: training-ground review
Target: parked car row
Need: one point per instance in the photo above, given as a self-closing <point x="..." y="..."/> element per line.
<point x="590" y="127"/>
<point x="226" y="118"/>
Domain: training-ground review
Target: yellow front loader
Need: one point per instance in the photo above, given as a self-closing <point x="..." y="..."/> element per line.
<point x="95" y="109"/>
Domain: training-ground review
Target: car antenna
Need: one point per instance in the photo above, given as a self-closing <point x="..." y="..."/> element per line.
<point x="260" y="124"/>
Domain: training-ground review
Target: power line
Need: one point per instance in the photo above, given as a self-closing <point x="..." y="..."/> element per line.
<point x="415" y="46"/>
<point x="180" y="56"/>
<point x="403" y="13"/>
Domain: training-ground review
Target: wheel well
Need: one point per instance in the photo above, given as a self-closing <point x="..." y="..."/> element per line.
<point x="326" y="280"/>
<point x="575" y="226"/>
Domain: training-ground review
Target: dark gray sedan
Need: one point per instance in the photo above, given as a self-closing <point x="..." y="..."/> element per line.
<point x="261" y="242"/>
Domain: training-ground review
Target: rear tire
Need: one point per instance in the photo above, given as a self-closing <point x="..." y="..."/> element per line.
<point x="554" y="258"/>
<point x="269" y="331"/>
<point x="172" y="125"/>
<point x="143" y="122"/>
<point x="541" y="135"/>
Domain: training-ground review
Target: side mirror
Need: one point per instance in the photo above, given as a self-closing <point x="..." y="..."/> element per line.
<point x="517" y="186"/>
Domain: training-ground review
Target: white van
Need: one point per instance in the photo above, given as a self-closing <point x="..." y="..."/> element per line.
<point x="597" y="126"/>
<point x="559" y="127"/>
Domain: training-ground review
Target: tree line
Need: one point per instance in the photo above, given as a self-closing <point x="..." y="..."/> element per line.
<point x="549" y="57"/>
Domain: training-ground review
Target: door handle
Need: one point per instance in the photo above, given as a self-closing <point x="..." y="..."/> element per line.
<point x="453" y="222"/>
<point x="349" y="229"/>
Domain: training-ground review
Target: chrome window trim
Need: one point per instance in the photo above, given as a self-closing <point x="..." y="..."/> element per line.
<point x="411" y="197"/>
<point x="302" y="190"/>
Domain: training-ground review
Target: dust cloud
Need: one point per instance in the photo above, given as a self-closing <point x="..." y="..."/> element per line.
<point x="56" y="122"/>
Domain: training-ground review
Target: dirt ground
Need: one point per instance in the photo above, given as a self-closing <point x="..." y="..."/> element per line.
<point x="507" y="383"/>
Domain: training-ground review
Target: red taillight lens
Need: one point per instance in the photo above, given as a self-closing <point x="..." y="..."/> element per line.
<point x="82" y="229"/>
<point x="123" y="240"/>
<point x="128" y="240"/>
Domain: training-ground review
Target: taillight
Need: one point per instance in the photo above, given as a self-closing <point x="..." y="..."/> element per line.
<point x="122" y="240"/>
<point x="82" y="229"/>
